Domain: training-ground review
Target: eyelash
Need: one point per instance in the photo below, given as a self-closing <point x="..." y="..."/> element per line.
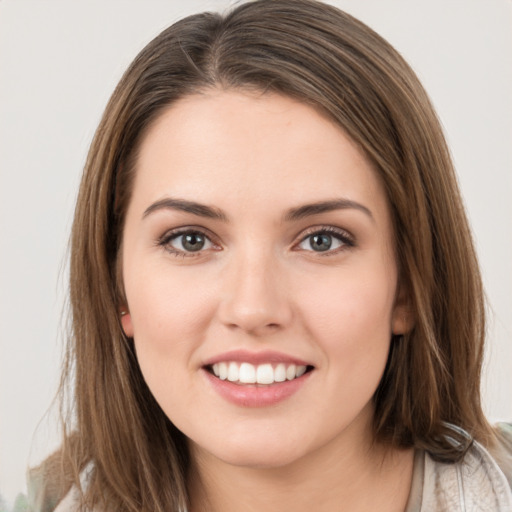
<point x="165" y="241"/>
<point x="346" y="239"/>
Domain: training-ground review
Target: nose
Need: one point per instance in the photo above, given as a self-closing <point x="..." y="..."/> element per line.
<point x="255" y="297"/>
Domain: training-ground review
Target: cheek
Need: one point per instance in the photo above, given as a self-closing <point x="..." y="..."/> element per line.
<point x="351" y="320"/>
<point x="169" y="315"/>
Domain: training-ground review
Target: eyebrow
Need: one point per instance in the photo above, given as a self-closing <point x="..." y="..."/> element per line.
<point x="294" y="214"/>
<point x="325" y="206"/>
<point x="184" y="205"/>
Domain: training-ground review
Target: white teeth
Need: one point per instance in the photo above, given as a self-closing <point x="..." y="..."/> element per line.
<point x="246" y="373"/>
<point x="301" y="370"/>
<point x="223" y="371"/>
<point x="233" y="372"/>
<point x="280" y="373"/>
<point x="265" y="374"/>
<point x="290" y="372"/>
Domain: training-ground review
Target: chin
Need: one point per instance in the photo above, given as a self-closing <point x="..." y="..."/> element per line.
<point x="251" y="453"/>
<point x="259" y="459"/>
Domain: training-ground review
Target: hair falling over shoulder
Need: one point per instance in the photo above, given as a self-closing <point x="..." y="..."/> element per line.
<point x="319" y="55"/>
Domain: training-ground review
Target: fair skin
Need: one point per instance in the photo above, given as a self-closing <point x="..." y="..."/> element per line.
<point x="225" y="263"/>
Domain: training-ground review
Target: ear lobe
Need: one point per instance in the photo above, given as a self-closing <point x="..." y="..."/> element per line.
<point x="126" y="323"/>
<point x="402" y="322"/>
<point x="403" y="318"/>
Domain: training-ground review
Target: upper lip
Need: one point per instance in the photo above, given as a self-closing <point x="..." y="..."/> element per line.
<point x="255" y="358"/>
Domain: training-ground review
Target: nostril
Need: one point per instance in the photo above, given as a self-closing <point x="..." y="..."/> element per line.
<point x="254" y="326"/>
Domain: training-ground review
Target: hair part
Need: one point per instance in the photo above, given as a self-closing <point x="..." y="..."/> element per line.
<point x="319" y="55"/>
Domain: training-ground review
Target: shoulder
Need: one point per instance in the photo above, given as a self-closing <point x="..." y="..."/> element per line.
<point x="45" y="498"/>
<point x="502" y="450"/>
<point x="70" y="502"/>
<point x="478" y="482"/>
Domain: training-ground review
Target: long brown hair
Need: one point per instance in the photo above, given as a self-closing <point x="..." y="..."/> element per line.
<point x="319" y="55"/>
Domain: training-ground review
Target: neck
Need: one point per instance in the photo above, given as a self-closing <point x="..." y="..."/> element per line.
<point x="355" y="476"/>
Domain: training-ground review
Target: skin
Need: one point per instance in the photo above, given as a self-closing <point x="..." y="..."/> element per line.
<point x="259" y="285"/>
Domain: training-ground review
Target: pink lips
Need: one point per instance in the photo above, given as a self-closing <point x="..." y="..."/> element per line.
<point x="255" y="358"/>
<point x="255" y="395"/>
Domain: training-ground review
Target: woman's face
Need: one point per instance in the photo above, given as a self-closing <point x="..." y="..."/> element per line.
<point x="260" y="278"/>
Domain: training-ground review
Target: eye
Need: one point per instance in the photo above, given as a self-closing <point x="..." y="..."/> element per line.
<point x="186" y="242"/>
<point x="326" y="240"/>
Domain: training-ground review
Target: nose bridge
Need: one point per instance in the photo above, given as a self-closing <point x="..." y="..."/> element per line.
<point x="255" y="298"/>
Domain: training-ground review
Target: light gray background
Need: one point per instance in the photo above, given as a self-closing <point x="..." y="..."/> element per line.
<point x="59" y="62"/>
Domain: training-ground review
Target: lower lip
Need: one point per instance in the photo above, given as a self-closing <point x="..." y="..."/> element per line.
<point x="252" y="395"/>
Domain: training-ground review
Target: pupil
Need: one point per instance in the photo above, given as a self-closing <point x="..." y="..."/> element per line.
<point x="193" y="242"/>
<point x="321" y="242"/>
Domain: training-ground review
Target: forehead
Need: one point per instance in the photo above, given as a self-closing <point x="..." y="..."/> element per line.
<point x="221" y="146"/>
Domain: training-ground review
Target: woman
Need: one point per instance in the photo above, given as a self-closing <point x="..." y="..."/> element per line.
<point x="275" y="298"/>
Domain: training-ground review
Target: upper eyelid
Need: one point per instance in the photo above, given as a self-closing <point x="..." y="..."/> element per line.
<point x="175" y="232"/>
<point x="325" y="229"/>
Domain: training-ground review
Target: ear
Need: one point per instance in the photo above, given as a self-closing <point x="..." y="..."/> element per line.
<point x="403" y="318"/>
<point x="126" y="322"/>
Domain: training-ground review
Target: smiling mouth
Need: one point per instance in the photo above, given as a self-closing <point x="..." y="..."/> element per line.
<point x="261" y="374"/>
